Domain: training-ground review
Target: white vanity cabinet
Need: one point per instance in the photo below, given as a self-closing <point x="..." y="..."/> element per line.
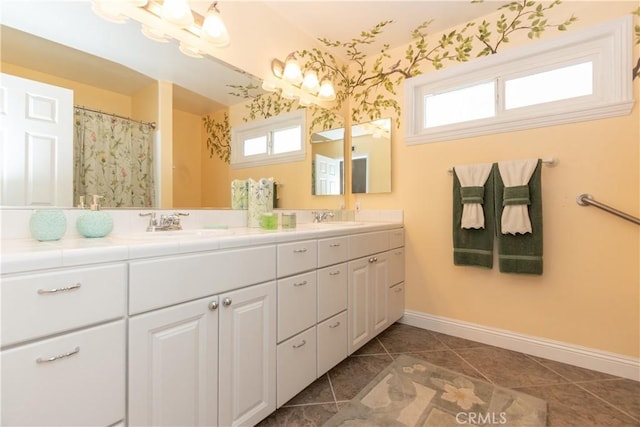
<point x="173" y="365"/>
<point x="247" y="355"/>
<point x="374" y="303"/>
<point x="204" y="361"/>
<point x="63" y="356"/>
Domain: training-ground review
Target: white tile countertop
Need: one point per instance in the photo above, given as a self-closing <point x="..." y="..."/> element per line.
<point x="22" y="253"/>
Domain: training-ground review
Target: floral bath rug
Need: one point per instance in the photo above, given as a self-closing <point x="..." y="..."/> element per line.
<point x="412" y="392"/>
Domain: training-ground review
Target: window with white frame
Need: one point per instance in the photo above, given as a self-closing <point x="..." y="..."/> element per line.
<point x="278" y="139"/>
<point x="581" y="76"/>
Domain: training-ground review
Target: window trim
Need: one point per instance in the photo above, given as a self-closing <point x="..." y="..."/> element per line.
<point x="264" y="127"/>
<point x="608" y="45"/>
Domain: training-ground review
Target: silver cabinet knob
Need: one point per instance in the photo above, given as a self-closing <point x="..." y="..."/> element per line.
<point x="213" y="305"/>
<point x="226" y="302"/>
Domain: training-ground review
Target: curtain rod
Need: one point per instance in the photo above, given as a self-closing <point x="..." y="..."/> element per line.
<point x="82" y="107"/>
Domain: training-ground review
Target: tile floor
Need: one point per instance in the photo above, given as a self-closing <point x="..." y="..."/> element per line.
<point x="575" y="396"/>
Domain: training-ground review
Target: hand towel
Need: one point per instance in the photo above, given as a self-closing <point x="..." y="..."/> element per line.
<point x="473" y="246"/>
<point x="472" y="179"/>
<point x="520" y="253"/>
<point x="515" y="175"/>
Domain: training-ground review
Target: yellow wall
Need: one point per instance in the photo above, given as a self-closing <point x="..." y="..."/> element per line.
<point x="187" y="165"/>
<point x="85" y="95"/>
<point x="216" y="185"/>
<point x="589" y="294"/>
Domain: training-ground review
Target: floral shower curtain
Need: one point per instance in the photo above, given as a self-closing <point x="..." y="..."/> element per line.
<point x="113" y="157"/>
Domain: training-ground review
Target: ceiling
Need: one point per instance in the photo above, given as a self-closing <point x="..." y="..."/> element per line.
<point x="82" y="41"/>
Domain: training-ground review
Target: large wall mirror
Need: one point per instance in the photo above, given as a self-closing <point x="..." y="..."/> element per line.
<point x="370" y="159"/>
<point x="72" y="48"/>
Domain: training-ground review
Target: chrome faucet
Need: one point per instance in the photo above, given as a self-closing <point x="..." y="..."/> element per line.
<point x="169" y="222"/>
<point x="321" y="216"/>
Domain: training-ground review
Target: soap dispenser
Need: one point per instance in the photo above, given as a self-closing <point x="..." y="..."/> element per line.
<point x="94" y="223"/>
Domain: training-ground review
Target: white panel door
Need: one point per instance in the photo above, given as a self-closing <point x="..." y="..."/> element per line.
<point x="327" y="175"/>
<point x="173" y="365"/>
<point x="247" y="344"/>
<point x="36" y="143"/>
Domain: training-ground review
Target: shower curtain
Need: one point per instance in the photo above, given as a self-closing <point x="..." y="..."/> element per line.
<point x="113" y="157"/>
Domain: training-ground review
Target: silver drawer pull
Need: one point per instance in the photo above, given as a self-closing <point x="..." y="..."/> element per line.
<point x="61" y="356"/>
<point x="300" y="345"/>
<point x="398" y="290"/>
<point x="56" y="290"/>
<point x="334" y="245"/>
<point x="373" y="259"/>
<point x="304" y="282"/>
<point x="334" y="273"/>
<point x="334" y="326"/>
<point x="299" y="251"/>
<point x="398" y="253"/>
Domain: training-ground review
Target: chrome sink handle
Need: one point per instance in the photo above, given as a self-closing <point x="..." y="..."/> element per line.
<point x="153" y="222"/>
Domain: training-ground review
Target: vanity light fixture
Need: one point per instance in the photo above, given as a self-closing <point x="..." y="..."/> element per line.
<point x="170" y="19"/>
<point x="295" y="83"/>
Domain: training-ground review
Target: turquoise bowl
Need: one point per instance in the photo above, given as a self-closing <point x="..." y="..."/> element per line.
<point x="48" y="224"/>
<point x="94" y="224"/>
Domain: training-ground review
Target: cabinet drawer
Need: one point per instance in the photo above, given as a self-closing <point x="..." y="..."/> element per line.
<point x="396" y="266"/>
<point x="332" y="251"/>
<point x="368" y="243"/>
<point x="162" y="282"/>
<point x="332" y="342"/>
<point x="396" y="302"/>
<point x="85" y="388"/>
<point x="396" y="238"/>
<point x="38" y="305"/>
<point x="332" y="290"/>
<point x="296" y="365"/>
<point x="296" y="304"/>
<point x="297" y="257"/>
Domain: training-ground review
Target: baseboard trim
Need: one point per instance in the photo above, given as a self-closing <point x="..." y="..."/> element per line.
<point x="597" y="360"/>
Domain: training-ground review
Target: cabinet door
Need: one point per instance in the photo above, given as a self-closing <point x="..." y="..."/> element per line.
<point x="379" y="306"/>
<point x="360" y="325"/>
<point x="173" y="361"/>
<point x="247" y="371"/>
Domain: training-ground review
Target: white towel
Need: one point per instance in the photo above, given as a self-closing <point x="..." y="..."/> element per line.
<point x="515" y="218"/>
<point x="473" y="176"/>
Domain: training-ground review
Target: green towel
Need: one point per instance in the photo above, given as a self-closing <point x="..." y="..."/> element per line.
<point x="473" y="246"/>
<point x="520" y="253"/>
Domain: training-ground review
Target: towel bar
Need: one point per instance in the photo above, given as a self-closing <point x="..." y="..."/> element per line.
<point x="549" y="162"/>
<point x="587" y="199"/>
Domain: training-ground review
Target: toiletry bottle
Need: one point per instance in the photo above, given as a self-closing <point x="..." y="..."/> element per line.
<point x="94" y="223"/>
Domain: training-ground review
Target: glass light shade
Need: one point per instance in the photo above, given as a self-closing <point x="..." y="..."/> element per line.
<point x="292" y="72"/>
<point x="108" y="10"/>
<point x="155" y="34"/>
<point x="191" y="51"/>
<point x="304" y="101"/>
<point x="269" y="85"/>
<point x="214" y="30"/>
<point x="326" y="92"/>
<point x="310" y="82"/>
<point x="288" y="94"/>
<point x="177" y="12"/>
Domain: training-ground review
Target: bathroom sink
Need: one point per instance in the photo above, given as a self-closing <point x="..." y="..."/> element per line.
<point x="329" y="224"/>
<point x="173" y="234"/>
